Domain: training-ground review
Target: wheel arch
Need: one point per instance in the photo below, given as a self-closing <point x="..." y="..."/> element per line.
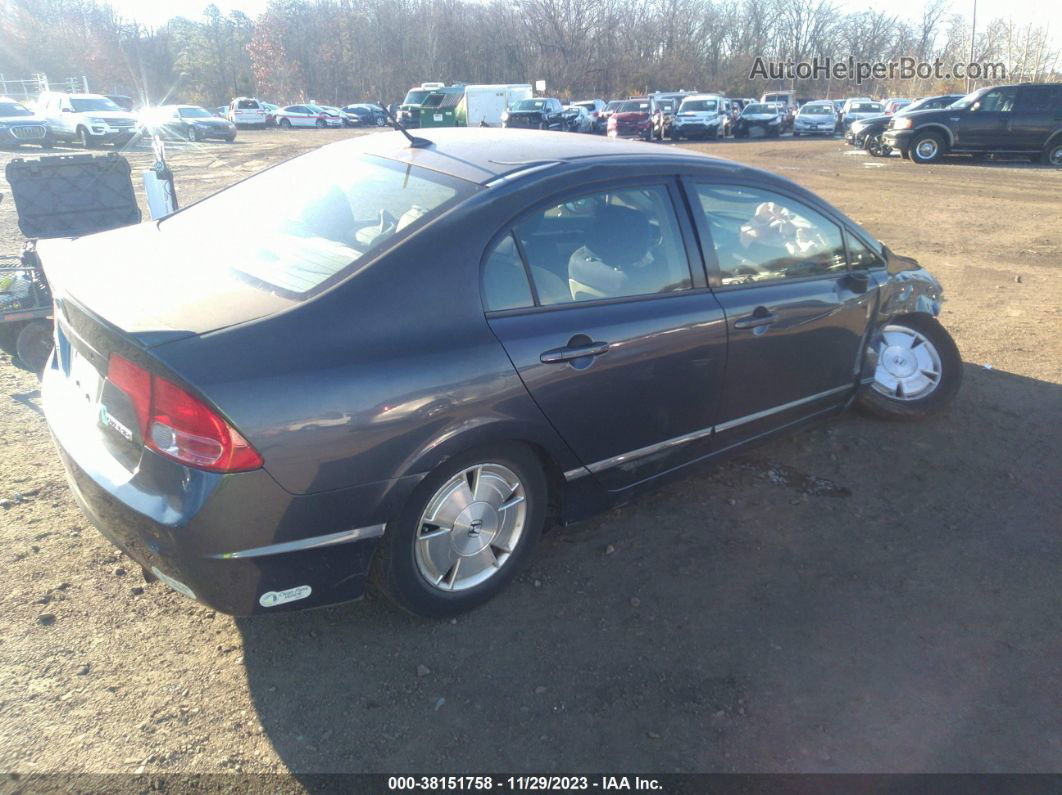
<point x="941" y="129"/>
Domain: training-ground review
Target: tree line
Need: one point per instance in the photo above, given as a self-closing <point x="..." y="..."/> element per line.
<point x="339" y="51"/>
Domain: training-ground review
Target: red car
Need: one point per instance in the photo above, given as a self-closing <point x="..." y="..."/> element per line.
<point x="632" y="119"/>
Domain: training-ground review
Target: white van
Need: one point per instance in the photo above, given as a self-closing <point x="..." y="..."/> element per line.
<point x="92" y="119"/>
<point x="247" y="111"/>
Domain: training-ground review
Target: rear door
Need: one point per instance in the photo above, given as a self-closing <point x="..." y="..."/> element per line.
<point x="796" y="315"/>
<point x="1037" y="114"/>
<point x="618" y="341"/>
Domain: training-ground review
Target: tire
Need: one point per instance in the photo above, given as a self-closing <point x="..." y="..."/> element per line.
<point x="321" y="124"/>
<point x="1052" y="155"/>
<point x="926" y="148"/>
<point x="285" y="124"/>
<point x="49" y="141"/>
<point x="34" y="345"/>
<point x="193" y="136"/>
<point x="230" y="139"/>
<point x="381" y="121"/>
<point x="875" y="146"/>
<point x="85" y="138"/>
<point x="408" y="574"/>
<point x="796" y="134"/>
<point x="9" y="335"/>
<point x="905" y="154"/>
<point x="933" y="350"/>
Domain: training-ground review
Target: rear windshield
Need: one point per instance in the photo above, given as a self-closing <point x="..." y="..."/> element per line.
<point x="698" y="104"/>
<point x="247" y="104"/>
<point x="306" y="223"/>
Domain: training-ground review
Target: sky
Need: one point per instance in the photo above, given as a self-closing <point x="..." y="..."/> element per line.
<point x="156" y="12"/>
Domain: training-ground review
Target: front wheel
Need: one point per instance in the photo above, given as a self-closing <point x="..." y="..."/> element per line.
<point x="285" y="124"/>
<point x="193" y="136"/>
<point x="86" y="138"/>
<point x="918" y="370"/>
<point x="927" y="148"/>
<point x="465" y="533"/>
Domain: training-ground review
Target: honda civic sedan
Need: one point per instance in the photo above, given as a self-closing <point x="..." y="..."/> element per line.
<point x="403" y="362"/>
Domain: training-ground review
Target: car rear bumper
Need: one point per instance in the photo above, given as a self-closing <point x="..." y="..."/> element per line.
<point x="238" y="543"/>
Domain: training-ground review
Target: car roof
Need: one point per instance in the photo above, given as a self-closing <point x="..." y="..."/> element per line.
<point x="483" y="154"/>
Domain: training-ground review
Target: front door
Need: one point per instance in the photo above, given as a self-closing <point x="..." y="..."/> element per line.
<point x="796" y="315"/>
<point x="619" y="343"/>
<point x="985" y="125"/>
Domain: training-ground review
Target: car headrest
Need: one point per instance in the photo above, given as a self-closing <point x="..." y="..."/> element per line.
<point x="620" y="235"/>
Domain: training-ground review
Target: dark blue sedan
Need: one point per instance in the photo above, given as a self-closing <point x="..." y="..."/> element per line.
<point x="401" y="363"/>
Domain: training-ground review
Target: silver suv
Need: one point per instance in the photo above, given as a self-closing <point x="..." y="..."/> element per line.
<point x="91" y="119"/>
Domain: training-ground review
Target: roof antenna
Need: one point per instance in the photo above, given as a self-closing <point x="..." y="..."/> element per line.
<point x="415" y="142"/>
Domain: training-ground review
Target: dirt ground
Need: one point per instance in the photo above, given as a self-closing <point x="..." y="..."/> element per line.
<point x="731" y="621"/>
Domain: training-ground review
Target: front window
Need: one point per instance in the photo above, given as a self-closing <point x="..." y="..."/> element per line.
<point x="92" y="104"/>
<point x="193" y="113"/>
<point x="14" y="109"/>
<point x="760" y="236"/>
<point x="308" y="222"/>
<point x="998" y="100"/>
<point x="969" y="99"/>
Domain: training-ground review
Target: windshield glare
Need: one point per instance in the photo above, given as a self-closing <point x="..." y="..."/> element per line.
<point x="969" y="99"/>
<point x="307" y="222"/>
<point x="14" y="109"/>
<point x="87" y="105"/>
<point x="530" y="104"/>
<point x="194" y="113"/>
<point x="758" y="108"/>
<point x="633" y="107"/>
<point x="698" y="105"/>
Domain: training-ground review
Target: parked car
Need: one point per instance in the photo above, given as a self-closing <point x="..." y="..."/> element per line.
<point x="251" y="462"/>
<point x="815" y="118"/>
<point x="1024" y="119"/>
<point x="632" y="118"/>
<point x="700" y="116"/>
<point x="20" y="125"/>
<point x="577" y="118"/>
<point x="539" y="114"/>
<point x="306" y="116"/>
<point x="191" y="122"/>
<point x="345" y="120"/>
<point x="91" y="119"/>
<point x="366" y="115"/>
<point x="247" y="111"/>
<point x="270" y="113"/>
<point x="893" y="105"/>
<point x="595" y="108"/>
<point x="866" y="133"/>
<point x="221" y="111"/>
<point x="759" y="119"/>
<point x="856" y="109"/>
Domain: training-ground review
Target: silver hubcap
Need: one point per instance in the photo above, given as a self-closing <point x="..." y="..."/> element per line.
<point x="908" y="365"/>
<point x="1056" y="156"/>
<point x="927" y="148"/>
<point x="470" y="527"/>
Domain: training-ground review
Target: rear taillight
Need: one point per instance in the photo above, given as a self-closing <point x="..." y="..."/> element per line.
<point x="179" y="425"/>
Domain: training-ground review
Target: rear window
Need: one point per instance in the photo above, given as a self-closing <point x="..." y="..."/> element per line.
<point x="307" y="223"/>
<point x="247" y="104"/>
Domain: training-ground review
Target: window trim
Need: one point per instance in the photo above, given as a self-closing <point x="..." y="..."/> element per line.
<point x="715" y="278"/>
<point x="679" y="209"/>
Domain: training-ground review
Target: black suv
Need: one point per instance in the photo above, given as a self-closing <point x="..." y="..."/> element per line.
<point x="866" y="133"/>
<point x="1022" y="119"/>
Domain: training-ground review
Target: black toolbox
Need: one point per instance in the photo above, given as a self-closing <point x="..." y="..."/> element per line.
<point x="72" y="195"/>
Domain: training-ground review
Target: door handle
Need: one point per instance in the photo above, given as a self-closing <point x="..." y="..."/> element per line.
<point x="760" y="317"/>
<point x="576" y="352"/>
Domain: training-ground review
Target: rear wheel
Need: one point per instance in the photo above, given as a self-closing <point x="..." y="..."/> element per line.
<point x="34" y="345"/>
<point x="193" y="136"/>
<point x="875" y="146"/>
<point x="927" y="148"/>
<point x="918" y="370"/>
<point x="465" y="533"/>
<point x="321" y="124"/>
<point x="285" y="124"/>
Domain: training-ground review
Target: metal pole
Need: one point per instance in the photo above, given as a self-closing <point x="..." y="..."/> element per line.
<point x="973" y="39"/>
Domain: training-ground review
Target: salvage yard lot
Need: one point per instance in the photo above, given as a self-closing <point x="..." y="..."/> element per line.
<point x="862" y="596"/>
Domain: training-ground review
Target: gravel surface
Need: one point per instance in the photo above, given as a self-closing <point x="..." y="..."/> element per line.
<point x="905" y="618"/>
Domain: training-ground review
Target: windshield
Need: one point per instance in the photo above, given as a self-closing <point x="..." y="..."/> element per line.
<point x="817" y="110"/>
<point x="698" y="105"/>
<point x="415" y="97"/>
<point x="194" y="113"/>
<point x="633" y="107"/>
<point x="969" y="99"/>
<point x="307" y="222"/>
<point x="530" y="104"/>
<point x="758" y="108"/>
<point x="96" y="103"/>
<point x="14" y="109"/>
